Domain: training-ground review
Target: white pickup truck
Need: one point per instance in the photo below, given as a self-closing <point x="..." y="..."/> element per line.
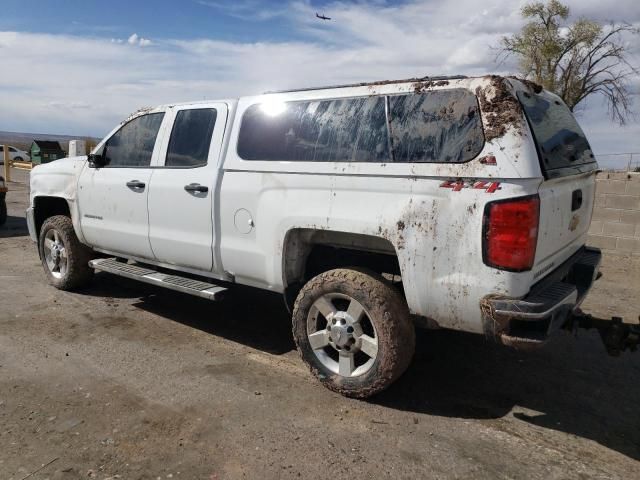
<point x="459" y="203"/>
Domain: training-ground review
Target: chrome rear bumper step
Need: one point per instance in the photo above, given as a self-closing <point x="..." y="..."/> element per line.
<point x="527" y="322"/>
<point x="188" y="285"/>
<point x="563" y="289"/>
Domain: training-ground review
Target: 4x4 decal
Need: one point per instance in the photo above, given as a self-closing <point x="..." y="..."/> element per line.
<point x="457" y="185"/>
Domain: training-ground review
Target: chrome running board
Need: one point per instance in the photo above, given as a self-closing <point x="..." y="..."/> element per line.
<point x="198" y="288"/>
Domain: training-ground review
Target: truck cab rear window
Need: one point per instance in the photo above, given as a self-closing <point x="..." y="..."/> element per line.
<point x="562" y="145"/>
<point x="439" y="126"/>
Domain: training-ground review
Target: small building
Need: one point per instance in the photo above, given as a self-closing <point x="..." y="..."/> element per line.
<point x="45" y="151"/>
<point x="77" y="148"/>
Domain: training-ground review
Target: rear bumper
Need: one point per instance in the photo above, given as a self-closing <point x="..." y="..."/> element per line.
<point x="530" y="320"/>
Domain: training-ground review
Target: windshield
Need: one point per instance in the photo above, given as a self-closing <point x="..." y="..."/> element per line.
<point x="562" y="145"/>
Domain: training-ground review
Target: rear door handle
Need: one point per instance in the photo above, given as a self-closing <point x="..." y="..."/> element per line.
<point x="196" y="187"/>
<point x="135" y="184"/>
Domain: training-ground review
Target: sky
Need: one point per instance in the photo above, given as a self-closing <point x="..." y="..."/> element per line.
<point x="80" y="66"/>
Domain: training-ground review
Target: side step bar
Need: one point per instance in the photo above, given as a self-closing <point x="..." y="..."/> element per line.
<point x="198" y="288"/>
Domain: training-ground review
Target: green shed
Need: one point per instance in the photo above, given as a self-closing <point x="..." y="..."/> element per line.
<point x="45" y="151"/>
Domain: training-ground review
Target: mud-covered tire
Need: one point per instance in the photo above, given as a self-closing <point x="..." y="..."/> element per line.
<point x="388" y="314"/>
<point x="3" y="209"/>
<point x="77" y="272"/>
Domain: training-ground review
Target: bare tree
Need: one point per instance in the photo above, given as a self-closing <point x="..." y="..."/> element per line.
<point x="574" y="60"/>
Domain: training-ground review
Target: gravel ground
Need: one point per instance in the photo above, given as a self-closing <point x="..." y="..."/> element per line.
<point x="125" y="381"/>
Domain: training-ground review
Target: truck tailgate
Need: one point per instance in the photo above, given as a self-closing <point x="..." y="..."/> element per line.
<point x="566" y="205"/>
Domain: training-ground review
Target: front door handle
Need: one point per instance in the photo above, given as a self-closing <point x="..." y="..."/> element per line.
<point x="196" y="187"/>
<point x="135" y="184"/>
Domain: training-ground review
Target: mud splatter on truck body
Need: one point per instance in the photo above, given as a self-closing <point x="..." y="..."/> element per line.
<point x="500" y="107"/>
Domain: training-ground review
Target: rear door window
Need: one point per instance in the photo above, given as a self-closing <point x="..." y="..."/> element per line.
<point x="191" y="138"/>
<point x="132" y="145"/>
<point x="440" y="127"/>
<point x="562" y="145"/>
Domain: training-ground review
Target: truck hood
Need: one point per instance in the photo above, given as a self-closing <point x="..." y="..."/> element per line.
<point x="57" y="179"/>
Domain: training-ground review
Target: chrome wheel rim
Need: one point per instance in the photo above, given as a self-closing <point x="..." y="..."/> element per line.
<point x="342" y="335"/>
<point x="55" y="253"/>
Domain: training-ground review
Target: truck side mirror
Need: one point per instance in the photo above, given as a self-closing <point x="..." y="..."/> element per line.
<point x="96" y="160"/>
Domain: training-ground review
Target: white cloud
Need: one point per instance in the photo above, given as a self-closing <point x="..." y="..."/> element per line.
<point x="363" y="42"/>
<point x="68" y="105"/>
<point x="134" y="39"/>
<point x="249" y="10"/>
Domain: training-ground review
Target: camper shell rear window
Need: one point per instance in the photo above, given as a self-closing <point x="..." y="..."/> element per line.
<point x="562" y="146"/>
<point x="441" y="126"/>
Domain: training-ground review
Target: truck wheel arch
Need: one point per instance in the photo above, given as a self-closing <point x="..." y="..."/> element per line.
<point x="45" y="207"/>
<point x="307" y="252"/>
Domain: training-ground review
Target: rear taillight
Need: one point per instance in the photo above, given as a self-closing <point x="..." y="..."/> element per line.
<point x="510" y="233"/>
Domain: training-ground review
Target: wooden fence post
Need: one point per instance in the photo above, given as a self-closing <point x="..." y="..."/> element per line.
<point x="7" y="164"/>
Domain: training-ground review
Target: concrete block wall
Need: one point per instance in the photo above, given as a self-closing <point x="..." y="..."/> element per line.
<point x="615" y="227"/>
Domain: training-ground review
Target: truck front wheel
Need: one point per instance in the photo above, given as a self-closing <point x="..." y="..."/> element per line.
<point x="354" y="331"/>
<point x="64" y="258"/>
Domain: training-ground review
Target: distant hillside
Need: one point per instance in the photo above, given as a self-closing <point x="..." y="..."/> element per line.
<point x="23" y="140"/>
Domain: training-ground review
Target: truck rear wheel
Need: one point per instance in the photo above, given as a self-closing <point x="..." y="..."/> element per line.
<point x="64" y="258"/>
<point x="354" y="331"/>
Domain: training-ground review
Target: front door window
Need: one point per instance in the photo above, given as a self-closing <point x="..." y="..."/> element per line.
<point x="132" y="145"/>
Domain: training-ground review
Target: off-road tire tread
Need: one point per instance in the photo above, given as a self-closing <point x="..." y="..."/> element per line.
<point x="395" y="330"/>
<point x="79" y="273"/>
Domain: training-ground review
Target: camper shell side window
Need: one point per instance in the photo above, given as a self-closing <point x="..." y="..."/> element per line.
<point x="429" y="127"/>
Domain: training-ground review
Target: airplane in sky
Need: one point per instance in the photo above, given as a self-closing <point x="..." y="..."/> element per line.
<point x="322" y="17"/>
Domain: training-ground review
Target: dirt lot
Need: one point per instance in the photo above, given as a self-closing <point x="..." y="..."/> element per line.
<point x="126" y="381"/>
